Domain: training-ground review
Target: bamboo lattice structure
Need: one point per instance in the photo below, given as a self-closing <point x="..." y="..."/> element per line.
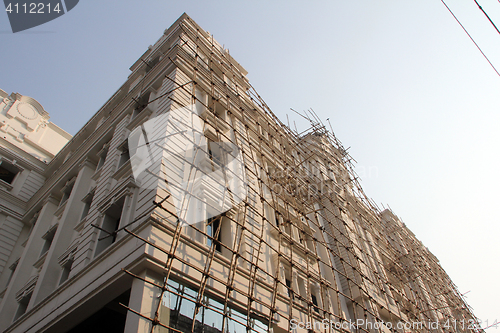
<point x="306" y="243"/>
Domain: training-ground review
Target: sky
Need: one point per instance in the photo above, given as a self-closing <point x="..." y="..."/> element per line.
<point x="402" y="84"/>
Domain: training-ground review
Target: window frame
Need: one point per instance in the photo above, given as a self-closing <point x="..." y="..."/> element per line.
<point x="10" y="164"/>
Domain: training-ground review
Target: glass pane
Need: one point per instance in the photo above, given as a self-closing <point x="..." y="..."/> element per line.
<point x="208" y="320"/>
<point x="236" y="322"/>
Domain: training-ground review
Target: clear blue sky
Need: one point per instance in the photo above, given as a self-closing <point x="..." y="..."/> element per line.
<point x="401" y="82"/>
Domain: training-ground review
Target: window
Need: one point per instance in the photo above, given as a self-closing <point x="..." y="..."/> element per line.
<point x="288" y="283"/>
<point x="315" y="302"/>
<point x="8" y="171"/>
<point x="201" y="101"/>
<point x="110" y="224"/>
<point x="49" y="237"/>
<point x="302" y="286"/>
<point x="66" y="191"/>
<point x="152" y="63"/>
<point x="264" y="134"/>
<point x="87" y="200"/>
<point x="66" y="269"/>
<point x="277" y="217"/>
<point x="271" y="171"/>
<point x="12" y="270"/>
<point x="220" y="111"/>
<point x="142" y="103"/>
<point x="287" y="228"/>
<point x="124" y="155"/>
<point x="286" y="278"/>
<point x="202" y="60"/>
<point x="179" y="305"/>
<point x="315" y="291"/>
<point x="102" y="156"/>
<point x="214" y="232"/>
<point x="23" y="306"/>
<point x="229" y="81"/>
<point x="215" y="153"/>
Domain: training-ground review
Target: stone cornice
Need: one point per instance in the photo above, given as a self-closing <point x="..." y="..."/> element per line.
<point x="22" y="158"/>
<point x="52" y="199"/>
<point x="87" y="163"/>
<point x="9" y="212"/>
<point x="9" y="197"/>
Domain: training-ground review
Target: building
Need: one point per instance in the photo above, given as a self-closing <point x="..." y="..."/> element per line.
<point x="185" y="205"/>
<point x="28" y="141"/>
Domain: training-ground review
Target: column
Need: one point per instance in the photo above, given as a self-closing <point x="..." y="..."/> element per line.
<point x="144" y="299"/>
<point x="25" y="267"/>
<point x="51" y="271"/>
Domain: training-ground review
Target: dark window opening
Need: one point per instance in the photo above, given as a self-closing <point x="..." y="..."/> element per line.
<point x="87" y="200"/>
<point x="216" y="151"/>
<point x="289" y="288"/>
<point x="23" y="306"/>
<point x="110" y="224"/>
<point x="152" y="63"/>
<point x="315" y="302"/>
<point x="142" y="103"/>
<point x="12" y="271"/>
<point x="213" y="230"/>
<point x="49" y="237"/>
<point x="66" y="192"/>
<point x="102" y="156"/>
<point x="8" y="172"/>
<point x="66" y="269"/>
<point x="124" y="155"/>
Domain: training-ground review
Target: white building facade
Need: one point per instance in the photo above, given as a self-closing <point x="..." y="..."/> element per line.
<point x="28" y="141"/>
<point x="285" y="240"/>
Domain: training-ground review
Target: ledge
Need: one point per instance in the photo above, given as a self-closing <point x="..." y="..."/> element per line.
<point x="96" y="174"/>
<point x="123" y="171"/>
<point x="27" y="288"/>
<point x="6" y="185"/>
<point x="60" y="209"/>
<point x="141" y="117"/>
<point x="39" y="262"/>
<point x="79" y="226"/>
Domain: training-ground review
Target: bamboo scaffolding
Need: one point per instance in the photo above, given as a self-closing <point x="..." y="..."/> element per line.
<point x="358" y="242"/>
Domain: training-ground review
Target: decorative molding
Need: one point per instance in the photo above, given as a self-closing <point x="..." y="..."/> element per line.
<point x="123" y="171"/>
<point x="27" y="288"/>
<point x="125" y="188"/>
<point x="96" y="174"/>
<point x="40" y="261"/>
<point x="87" y="163"/>
<point x="52" y="228"/>
<point x="6" y="185"/>
<point x="89" y="195"/>
<point x="7" y="196"/>
<point x="69" y="254"/>
<point x="140" y="118"/>
<point x="51" y="199"/>
<point x="27" y="111"/>
<point x="79" y="226"/>
<point x="60" y="210"/>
